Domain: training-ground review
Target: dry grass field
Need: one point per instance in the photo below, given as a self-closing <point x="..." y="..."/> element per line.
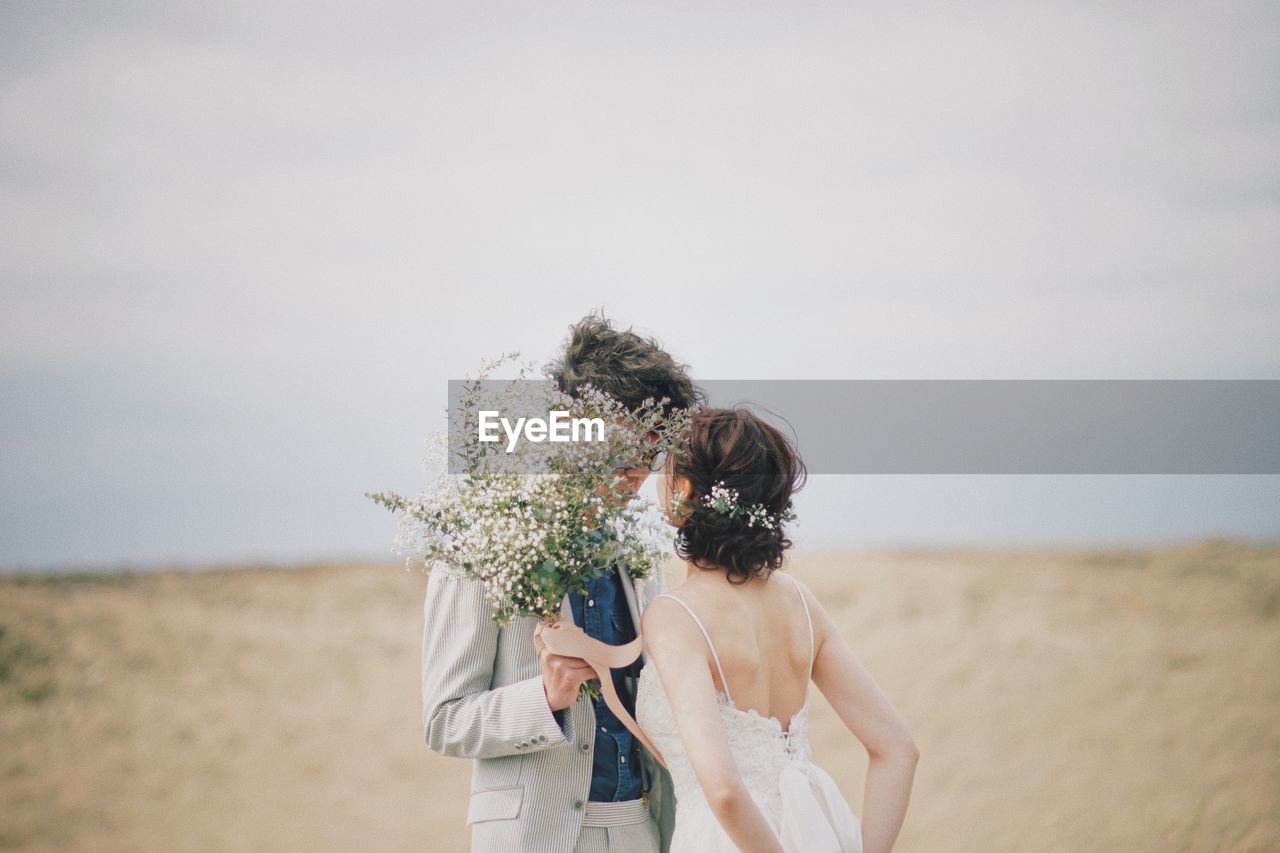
<point x="1117" y="700"/>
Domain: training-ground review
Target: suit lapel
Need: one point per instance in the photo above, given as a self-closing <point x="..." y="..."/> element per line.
<point x="629" y="591"/>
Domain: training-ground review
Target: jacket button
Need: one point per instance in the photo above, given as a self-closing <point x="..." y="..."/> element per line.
<point x="585" y="746"/>
<point x="577" y="804"/>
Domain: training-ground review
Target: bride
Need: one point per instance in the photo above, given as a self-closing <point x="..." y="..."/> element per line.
<point x="724" y="693"/>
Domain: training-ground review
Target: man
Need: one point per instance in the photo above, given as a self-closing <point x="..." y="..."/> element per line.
<point x="554" y="772"/>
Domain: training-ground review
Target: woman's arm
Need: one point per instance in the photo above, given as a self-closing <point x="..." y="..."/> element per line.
<point x="670" y="635"/>
<point x="869" y="714"/>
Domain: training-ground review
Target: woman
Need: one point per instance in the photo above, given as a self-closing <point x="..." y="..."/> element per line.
<point x="724" y="695"/>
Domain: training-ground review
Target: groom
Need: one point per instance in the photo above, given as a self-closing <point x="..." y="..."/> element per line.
<point x="554" y="772"/>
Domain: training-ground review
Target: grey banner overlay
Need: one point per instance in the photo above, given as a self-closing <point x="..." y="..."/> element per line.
<point x="1014" y="426"/>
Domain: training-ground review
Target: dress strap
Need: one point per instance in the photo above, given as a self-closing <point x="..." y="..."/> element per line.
<point x="711" y="646"/>
<point x="808" y="618"/>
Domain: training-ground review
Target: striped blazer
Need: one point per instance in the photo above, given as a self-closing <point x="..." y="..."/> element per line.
<point x="482" y="698"/>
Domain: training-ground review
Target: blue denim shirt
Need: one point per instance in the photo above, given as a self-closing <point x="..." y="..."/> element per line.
<point x="603" y="613"/>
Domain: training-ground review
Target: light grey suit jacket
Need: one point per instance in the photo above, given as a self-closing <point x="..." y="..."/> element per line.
<point x="482" y="698"/>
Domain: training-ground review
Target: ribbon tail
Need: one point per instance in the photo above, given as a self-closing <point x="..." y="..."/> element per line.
<point x="614" y="702"/>
<point x="572" y="641"/>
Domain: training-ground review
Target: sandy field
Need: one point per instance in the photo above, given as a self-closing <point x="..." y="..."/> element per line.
<point x="1117" y="700"/>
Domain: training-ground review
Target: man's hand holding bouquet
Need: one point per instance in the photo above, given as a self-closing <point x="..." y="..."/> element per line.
<point x="535" y="520"/>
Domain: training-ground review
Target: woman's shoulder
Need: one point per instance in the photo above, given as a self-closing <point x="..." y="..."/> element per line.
<point x="813" y="604"/>
<point x="716" y="602"/>
<point x="669" y="628"/>
<point x="794" y="582"/>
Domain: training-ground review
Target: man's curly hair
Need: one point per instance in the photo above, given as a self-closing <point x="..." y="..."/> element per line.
<point x="624" y="365"/>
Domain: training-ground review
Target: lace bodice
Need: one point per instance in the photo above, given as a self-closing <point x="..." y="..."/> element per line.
<point x="762" y="749"/>
<point x="760" y="746"/>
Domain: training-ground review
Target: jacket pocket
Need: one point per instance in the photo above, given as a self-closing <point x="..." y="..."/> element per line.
<point x="495" y="804"/>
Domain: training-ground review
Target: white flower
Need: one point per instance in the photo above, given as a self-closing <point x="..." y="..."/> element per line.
<point x="504" y="519"/>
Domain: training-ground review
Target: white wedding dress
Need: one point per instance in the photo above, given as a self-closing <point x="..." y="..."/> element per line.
<point x="798" y="798"/>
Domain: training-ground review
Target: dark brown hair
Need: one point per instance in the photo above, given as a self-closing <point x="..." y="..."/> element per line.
<point x="624" y="365"/>
<point x="752" y="457"/>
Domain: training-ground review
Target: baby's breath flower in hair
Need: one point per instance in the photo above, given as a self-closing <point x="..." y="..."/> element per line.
<point x="725" y="501"/>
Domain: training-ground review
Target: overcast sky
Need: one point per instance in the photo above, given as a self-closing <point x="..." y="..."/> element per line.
<point x="245" y="244"/>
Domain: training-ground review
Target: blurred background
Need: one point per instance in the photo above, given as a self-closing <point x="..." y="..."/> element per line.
<point x="246" y="245"/>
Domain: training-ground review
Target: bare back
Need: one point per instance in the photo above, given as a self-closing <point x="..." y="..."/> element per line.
<point x="755" y="639"/>
<point x="760" y="636"/>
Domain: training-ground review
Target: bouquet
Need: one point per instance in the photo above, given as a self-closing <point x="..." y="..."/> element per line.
<point x="535" y="520"/>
